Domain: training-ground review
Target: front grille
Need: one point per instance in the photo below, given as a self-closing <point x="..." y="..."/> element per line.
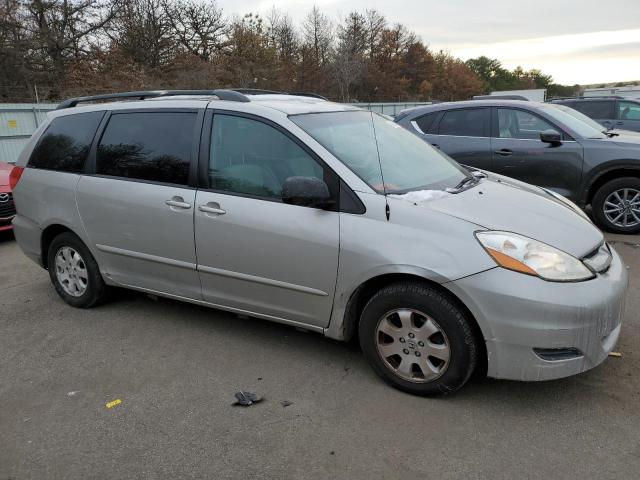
<point x="7" y="207"/>
<point x="599" y="260"/>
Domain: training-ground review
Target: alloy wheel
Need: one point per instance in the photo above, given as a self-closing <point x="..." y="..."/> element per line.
<point x="413" y="345"/>
<point x="71" y="271"/>
<point x="622" y="207"/>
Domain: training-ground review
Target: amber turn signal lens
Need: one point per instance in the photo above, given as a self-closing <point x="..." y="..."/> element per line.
<point x="506" y="261"/>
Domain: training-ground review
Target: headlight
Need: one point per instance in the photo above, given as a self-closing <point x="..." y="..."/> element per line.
<point x="532" y="257"/>
<point x="568" y="203"/>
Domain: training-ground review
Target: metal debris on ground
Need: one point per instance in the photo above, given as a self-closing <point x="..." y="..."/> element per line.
<point x="286" y="403"/>
<point x="246" y="399"/>
<point x="615" y="354"/>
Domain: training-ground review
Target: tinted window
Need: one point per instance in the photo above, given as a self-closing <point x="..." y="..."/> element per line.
<point x="252" y="158"/>
<point x="595" y="109"/>
<point x="425" y="122"/>
<point x="66" y="142"/>
<point x="468" y="122"/>
<point x="147" y="146"/>
<point x="629" y="111"/>
<point x="521" y="124"/>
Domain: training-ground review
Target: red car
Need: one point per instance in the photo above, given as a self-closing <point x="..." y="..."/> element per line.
<point x="7" y="207"/>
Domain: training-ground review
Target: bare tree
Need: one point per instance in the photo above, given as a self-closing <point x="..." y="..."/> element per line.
<point x="142" y="32"/>
<point x="199" y="27"/>
<point x="61" y="29"/>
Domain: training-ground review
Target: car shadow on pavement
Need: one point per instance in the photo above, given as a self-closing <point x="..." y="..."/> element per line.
<point x="302" y="346"/>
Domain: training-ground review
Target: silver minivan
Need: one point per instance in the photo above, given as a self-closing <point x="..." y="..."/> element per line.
<point x="322" y="216"/>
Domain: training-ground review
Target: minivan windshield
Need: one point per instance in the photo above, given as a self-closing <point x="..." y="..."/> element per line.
<point x="387" y="157"/>
<point x="572" y="119"/>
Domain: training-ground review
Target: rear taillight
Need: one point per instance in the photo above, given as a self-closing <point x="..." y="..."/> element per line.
<point x="14" y="176"/>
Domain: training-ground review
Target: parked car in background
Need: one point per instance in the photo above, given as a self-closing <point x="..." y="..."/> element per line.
<point x="322" y="216"/>
<point x="7" y="207"/>
<point x="611" y="112"/>
<point x="544" y="144"/>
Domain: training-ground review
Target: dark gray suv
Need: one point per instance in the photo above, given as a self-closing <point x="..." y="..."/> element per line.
<point x="545" y="144"/>
<point x="610" y="112"/>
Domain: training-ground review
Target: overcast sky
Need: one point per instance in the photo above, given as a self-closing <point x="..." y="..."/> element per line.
<point x="575" y="41"/>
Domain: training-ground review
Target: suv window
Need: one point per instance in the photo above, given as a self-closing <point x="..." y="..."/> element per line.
<point x="628" y="111"/>
<point x="425" y="122"/>
<point x="65" y="143"/>
<point x="467" y="122"/>
<point x="520" y="124"/>
<point x="249" y="157"/>
<point x="154" y="146"/>
<point x="595" y="108"/>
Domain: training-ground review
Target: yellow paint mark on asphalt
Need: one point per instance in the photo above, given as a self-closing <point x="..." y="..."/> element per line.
<point x="113" y="403"/>
<point x="13" y="123"/>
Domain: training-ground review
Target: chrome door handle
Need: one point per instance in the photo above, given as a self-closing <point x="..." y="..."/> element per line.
<point x="178" y="202"/>
<point x="211" y="209"/>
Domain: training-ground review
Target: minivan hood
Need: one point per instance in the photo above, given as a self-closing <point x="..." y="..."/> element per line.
<point x="500" y="203"/>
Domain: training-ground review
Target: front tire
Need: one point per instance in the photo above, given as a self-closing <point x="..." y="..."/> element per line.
<point x="74" y="272"/>
<point x="616" y="205"/>
<point x="417" y="339"/>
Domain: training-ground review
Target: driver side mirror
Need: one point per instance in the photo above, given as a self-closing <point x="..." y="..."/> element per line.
<point x="306" y="192"/>
<point x="551" y="136"/>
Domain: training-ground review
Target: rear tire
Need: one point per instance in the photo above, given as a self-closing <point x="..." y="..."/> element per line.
<point x="74" y="272"/>
<point x="618" y="202"/>
<point x="418" y="340"/>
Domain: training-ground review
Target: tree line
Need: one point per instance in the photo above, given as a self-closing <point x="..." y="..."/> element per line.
<point x="62" y="48"/>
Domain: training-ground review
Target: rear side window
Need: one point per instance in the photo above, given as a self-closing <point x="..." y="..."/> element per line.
<point x="425" y="122"/>
<point x="595" y="109"/>
<point x="153" y="146"/>
<point x="65" y="143"/>
<point x="468" y="122"/>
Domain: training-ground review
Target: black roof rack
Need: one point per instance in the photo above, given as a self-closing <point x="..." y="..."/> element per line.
<point x="222" y="94"/>
<point x="257" y="91"/>
<point x="500" y="97"/>
<point x="594" y="97"/>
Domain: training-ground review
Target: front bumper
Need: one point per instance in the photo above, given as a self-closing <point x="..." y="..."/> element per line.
<point x="518" y="313"/>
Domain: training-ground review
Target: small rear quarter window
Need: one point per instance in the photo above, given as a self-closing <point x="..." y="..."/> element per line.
<point x="65" y="143"/>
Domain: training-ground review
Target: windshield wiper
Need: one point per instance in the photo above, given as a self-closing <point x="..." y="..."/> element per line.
<point x="470" y="180"/>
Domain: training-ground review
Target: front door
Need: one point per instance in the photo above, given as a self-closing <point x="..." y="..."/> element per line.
<point x="138" y="207"/>
<point x="519" y="153"/>
<point x="255" y="253"/>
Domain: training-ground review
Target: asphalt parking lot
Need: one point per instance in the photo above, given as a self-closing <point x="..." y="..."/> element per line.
<point x="176" y="366"/>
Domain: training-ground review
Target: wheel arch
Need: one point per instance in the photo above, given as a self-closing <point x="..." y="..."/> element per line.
<point x="47" y="236"/>
<point x="363" y="293"/>
<point x="607" y="174"/>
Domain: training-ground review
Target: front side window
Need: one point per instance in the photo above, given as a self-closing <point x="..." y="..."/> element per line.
<point x="389" y="158"/>
<point x="628" y="111"/>
<point x="153" y="146"/>
<point x="249" y="157"/>
<point x="466" y="122"/>
<point x="520" y="124"/>
<point x="65" y="143"/>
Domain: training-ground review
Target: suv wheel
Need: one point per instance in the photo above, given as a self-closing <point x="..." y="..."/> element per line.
<point x="74" y="272"/>
<point x="418" y="340"/>
<point x="616" y="205"/>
